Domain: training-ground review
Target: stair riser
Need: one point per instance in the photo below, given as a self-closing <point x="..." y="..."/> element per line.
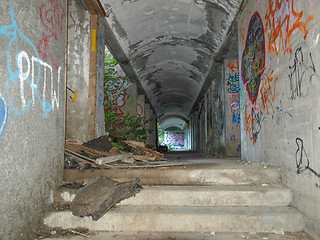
<point x="186" y="222"/>
<point x="232" y="176"/>
<point x="208" y="197"/>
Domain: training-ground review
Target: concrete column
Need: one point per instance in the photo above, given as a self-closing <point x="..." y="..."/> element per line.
<point x="232" y="113"/>
<point x="140" y="105"/>
<point x="78" y="72"/>
<point x="147" y="116"/>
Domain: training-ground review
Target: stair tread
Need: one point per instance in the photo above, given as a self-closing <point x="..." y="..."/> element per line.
<point x="188" y="236"/>
<point x="204" y="210"/>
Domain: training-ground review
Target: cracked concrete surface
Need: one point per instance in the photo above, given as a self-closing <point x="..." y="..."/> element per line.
<point x="172" y="46"/>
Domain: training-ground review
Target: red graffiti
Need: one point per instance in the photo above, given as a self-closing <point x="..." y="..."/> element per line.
<point x="281" y="21"/>
<point x="139" y="110"/>
<point x="115" y="91"/>
<point x="52" y="17"/>
<point x="233" y="66"/>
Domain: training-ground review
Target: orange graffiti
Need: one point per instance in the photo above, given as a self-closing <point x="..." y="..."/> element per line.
<point x="234" y="66"/>
<point x="282" y="20"/>
<point x="250" y="124"/>
<point x="268" y="91"/>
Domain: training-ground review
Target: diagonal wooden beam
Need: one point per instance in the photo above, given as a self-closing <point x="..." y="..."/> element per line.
<point x="94" y="7"/>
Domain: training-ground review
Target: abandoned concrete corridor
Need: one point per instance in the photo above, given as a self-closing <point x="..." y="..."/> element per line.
<point x="233" y="84"/>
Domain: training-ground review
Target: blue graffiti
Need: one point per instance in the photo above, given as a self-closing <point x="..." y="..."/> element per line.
<point x="233" y="83"/>
<point x="236" y="118"/>
<point x="16" y="75"/>
<point x="3" y="116"/>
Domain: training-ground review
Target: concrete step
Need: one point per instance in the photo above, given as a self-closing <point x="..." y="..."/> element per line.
<point x="186" y="236"/>
<point x="210" y="172"/>
<point x="184" y="219"/>
<point x="217" y="195"/>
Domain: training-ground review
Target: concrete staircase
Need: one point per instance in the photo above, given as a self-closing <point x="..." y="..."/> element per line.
<point x="205" y="196"/>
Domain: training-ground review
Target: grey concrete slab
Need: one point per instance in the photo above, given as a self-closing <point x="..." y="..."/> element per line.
<point x="218" y="195"/>
<point x="188" y="236"/>
<point x="185" y="219"/>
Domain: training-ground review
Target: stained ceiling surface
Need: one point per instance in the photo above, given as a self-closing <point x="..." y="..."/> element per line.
<point x="171" y="45"/>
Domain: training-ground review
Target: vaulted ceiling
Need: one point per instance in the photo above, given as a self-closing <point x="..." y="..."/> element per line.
<point x="172" y="46"/>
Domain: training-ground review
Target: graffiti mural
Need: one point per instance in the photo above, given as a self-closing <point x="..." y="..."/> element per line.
<point x="30" y="79"/>
<point x="52" y="17"/>
<point x="282" y="20"/>
<point x="175" y="139"/>
<point x="253" y="58"/>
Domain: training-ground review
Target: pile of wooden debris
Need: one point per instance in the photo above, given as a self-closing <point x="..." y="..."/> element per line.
<point x="99" y="153"/>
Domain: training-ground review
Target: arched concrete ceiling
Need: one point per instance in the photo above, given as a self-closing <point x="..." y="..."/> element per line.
<point x="171" y="45"/>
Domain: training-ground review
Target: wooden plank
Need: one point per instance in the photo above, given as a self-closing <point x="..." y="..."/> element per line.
<point x="94" y="7"/>
<point x="92" y="77"/>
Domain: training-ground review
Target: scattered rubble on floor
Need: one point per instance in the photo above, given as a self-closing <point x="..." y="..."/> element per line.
<point x="100" y="195"/>
<point x="100" y="153"/>
<point x="46" y="232"/>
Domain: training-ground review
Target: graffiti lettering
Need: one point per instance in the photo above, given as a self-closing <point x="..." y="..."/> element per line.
<point x="234" y="66"/>
<point x="116" y="95"/>
<point x="268" y="90"/>
<point x="254" y="121"/>
<point x="281" y="21"/>
<point x="233" y="82"/>
<point x="253" y="58"/>
<point x="19" y="75"/>
<point x="302" y="68"/>
<point x="302" y="160"/>
<point x="52" y="17"/>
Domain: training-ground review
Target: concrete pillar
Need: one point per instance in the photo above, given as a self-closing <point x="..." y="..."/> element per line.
<point x="140" y="105"/>
<point x="78" y="72"/>
<point x="147" y="115"/>
<point x="232" y="107"/>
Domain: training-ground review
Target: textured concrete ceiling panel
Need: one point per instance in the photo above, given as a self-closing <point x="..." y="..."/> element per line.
<point x="171" y="44"/>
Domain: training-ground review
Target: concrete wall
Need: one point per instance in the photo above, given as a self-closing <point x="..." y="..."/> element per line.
<point x="279" y="98"/>
<point x="210" y="119"/>
<point x="32" y="68"/>
<point x="78" y="71"/>
<point x="232" y="107"/>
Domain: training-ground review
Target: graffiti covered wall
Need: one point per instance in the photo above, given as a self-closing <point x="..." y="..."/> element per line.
<point x="32" y="60"/>
<point x="279" y="100"/>
<point x="233" y="139"/>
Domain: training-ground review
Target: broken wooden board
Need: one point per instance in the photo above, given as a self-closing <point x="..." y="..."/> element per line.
<point x="101" y="144"/>
<point x="126" y="157"/>
<point x="86" y="151"/>
<point x="101" y="194"/>
<point x="144" y="149"/>
<point x="144" y="158"/>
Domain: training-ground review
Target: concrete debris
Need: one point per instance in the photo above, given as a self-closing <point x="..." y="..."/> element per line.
<point x="100" y="195"/>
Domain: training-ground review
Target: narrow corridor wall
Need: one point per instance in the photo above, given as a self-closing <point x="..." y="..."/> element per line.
<point x="232" y="107"/>
<point x="279" y="96"/>
<point x="32" y="67"/>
